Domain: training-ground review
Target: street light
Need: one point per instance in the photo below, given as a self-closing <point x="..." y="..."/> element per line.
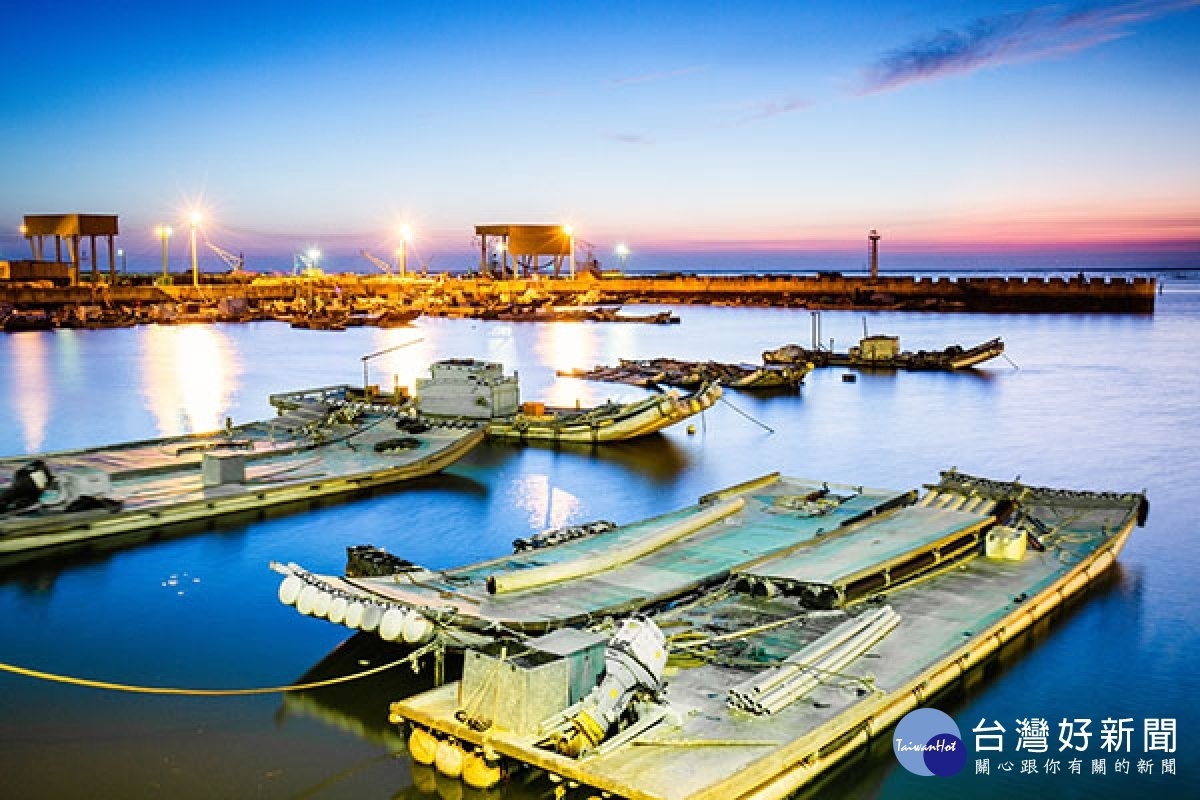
<point x="405" y="236"/>
<point x="622" y="254"/>
<point x="569" y="230"/>
<point x="195" y="218"/>
<point x="121" y="255"/>
<point x="164" y="232"/>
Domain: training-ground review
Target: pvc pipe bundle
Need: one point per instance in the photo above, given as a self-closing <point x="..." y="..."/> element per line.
<point x="775" y="690"/>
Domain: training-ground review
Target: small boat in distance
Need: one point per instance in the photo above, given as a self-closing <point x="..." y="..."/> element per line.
<point x="652" y="372"/>
<point x="883" y="352"/>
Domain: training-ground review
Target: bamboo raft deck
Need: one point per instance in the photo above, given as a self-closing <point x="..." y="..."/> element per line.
<point x="315" y="452"/>
<point x="955" y="608"/>
<point x="652" y="372"/>
<point x="461" y="599"/>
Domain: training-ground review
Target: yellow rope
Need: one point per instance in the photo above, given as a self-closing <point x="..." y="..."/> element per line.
<point x="167" y="690"/>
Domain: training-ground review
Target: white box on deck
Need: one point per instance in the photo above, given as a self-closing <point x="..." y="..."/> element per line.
<point x="1005" y="544"/>
<point x="219" y="470"/>
<point x="468" y="388"/>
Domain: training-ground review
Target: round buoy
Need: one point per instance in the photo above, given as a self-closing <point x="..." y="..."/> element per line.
<point x="337" y="610"/>
<point x="289" y="590"/>
<point x="448" y="758"/>
<point x="307" y="599"/>
<point x="691" y="429"/>
<point x="417" y="628"/>
<point x="322" y="603"/>
<point x="354" y="614"/>
<point x="372" y="616"/>
<point x="479" y="773"/>
<point x="391" y="625"/>
<point x="422" y="746"/>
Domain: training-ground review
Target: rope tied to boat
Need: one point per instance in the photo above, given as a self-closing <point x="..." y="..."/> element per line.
<point x="412" y="659"/>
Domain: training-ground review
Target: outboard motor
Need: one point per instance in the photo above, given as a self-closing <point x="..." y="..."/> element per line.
<point x="27" y="486"/>
<point x="633" y="663"/>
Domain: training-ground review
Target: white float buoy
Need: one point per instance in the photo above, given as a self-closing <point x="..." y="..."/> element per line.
<point x="322" y="603"/>
<point x="307" y="599"/>
<point x="354" y="614"/>
<point x="372" y="616"/>
<point x="289" y="590"/>
<point x="337" y="610"/>
<point x="391" y="626"/>
<point x="417" y="628"/>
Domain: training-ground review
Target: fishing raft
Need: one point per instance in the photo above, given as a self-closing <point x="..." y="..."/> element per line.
<point x="653" y="372"/>
<point x="326" y="446"/>
<point x="883" y="352"/>
<point x="786" y="622"/>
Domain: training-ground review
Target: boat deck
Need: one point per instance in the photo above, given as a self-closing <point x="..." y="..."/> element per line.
<point x="703" y="557"/>
<point x="950" y="620"/>
<point x="160" y="483"/>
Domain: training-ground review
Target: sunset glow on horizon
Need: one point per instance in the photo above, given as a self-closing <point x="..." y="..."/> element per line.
<point x="668" y="126"/>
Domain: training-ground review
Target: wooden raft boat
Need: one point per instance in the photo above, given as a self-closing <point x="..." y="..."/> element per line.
<point x="322" y="449"/>
<point x="882" y="352"/>
<point x="654" y="372"/>
<point x="788" y="622"/>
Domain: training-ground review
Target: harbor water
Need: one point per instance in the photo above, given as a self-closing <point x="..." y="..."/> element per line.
<point x="1088" y="401"/>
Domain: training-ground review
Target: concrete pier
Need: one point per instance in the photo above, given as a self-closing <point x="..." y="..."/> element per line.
<point x="822" y="291"/>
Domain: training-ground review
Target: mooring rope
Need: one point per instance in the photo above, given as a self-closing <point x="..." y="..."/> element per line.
<point x="412" y="657"/>
<point x="763" y="425"/>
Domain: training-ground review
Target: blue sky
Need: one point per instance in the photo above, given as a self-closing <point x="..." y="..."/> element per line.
<point x="774" y="127"/>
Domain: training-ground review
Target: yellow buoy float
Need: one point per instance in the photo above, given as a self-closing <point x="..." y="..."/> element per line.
<point x="422" y="746"/>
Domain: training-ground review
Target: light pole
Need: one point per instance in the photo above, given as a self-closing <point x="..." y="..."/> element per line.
<point x="569" y="230"/>
<point x="622" y="254"/>
<point x="164" y="232"/>
<point x="313" y="255"/>
<point x="121" y="255"/>
<point x="195" y="219"/>
<point x="405" y="236"/>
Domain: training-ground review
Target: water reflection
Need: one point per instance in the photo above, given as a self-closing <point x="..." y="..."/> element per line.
<point x="30" y="387"/>
<point x="188" y="375"/>
<point x="548" y="506"/>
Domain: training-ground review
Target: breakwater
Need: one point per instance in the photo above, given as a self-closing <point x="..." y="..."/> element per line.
<point x="822" y="291"/>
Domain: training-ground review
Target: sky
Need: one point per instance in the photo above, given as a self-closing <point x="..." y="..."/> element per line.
<point x="766" y="128"/>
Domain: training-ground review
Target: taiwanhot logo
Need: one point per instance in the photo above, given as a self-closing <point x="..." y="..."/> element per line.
<point x="928" y="742"/>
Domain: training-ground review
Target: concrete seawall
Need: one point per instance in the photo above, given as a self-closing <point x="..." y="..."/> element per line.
<point x="1011" y="294"/>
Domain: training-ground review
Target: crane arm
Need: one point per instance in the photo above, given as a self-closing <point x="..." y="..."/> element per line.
<point x="235" y="262"/>
<point x="379" y="262"/>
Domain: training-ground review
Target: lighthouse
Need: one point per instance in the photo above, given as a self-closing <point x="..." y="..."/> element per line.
<point x="873" y="251"/>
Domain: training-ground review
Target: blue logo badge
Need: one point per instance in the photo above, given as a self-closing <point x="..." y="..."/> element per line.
<point x="928" y="742"/>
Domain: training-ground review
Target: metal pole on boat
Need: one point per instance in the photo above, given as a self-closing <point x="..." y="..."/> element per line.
<point x="385" y="351"/>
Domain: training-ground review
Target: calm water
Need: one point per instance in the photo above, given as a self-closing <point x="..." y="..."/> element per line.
<point x="1104" y="402"/>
